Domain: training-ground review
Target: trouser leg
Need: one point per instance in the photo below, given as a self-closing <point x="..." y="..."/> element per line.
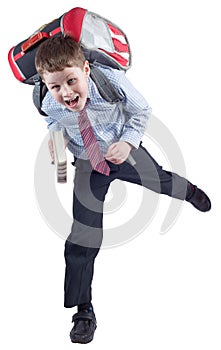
<point x="78" y="273"/>
<point x="82" y="245"/>
<point x="148" y="173"/>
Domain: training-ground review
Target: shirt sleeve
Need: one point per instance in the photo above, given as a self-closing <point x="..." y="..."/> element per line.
<point x="136" y="111"/>
<point x="51" y="108"/>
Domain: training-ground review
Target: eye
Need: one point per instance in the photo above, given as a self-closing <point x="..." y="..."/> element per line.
<point x="72" y="81"/>
<point x="55" y="87"/>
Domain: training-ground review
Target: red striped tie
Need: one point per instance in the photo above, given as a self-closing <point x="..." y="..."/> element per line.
<point x="91" y="144"/>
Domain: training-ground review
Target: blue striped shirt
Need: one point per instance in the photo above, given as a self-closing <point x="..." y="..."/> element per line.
<point x="111" y="122"/>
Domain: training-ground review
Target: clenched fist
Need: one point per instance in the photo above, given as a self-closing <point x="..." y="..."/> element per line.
<point x="118" y="152"/>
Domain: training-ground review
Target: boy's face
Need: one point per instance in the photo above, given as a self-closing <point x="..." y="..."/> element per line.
<point x="69" y="86"/>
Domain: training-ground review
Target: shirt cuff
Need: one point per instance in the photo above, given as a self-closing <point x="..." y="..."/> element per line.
<point x="132" y="138"/>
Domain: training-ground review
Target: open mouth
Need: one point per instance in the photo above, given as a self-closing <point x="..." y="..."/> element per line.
<point x="72" y="103"/>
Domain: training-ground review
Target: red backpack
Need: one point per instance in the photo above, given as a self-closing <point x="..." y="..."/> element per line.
<point x="102" y="42"/>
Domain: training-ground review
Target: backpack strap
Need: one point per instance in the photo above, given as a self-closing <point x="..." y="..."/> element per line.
<point x="38" y="94"/>
<point x="105" y="88"/>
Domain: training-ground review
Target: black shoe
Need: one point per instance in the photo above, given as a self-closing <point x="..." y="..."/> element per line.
<point x="199" y="199"/>
<point x="84" y="327"/>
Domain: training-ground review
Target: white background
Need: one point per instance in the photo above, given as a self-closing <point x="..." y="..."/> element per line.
<point x="156" y="291"/>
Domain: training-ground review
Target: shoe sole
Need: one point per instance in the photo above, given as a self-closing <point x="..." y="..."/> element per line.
<point x="83" y="341"/>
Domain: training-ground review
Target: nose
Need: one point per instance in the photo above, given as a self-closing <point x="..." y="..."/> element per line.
<point x="66" y="91"/>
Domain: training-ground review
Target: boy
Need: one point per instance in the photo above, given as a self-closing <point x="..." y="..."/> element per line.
<point x="72" y="104"/>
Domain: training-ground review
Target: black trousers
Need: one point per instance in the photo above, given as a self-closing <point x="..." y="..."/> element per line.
<point x="90" y="188"/>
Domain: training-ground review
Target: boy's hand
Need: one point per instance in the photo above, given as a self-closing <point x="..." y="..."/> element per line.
<point x="118" y="152"/>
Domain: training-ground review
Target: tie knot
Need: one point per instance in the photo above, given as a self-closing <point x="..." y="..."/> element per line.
<point x="83" y="111"/>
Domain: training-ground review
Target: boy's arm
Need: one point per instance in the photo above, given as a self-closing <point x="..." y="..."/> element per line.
<point x="135" y="109"/>
<point x="137" y="112"/>
<point x="49" y="106"/>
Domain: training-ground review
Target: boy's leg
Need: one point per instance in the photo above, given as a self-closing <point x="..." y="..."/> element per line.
<point x="84" y="241"/>
<point x="148" y="173"/>
<point x="82" y="247"/>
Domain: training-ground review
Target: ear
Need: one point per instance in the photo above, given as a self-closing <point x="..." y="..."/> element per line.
<point x="86" y="68"/>
<point x="42" y="78"/>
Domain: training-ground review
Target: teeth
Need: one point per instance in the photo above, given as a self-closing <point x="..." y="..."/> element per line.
<point x="70" y="100"/>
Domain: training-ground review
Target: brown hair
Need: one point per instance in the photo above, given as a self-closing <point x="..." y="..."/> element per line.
<point x="57" y="53"/>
